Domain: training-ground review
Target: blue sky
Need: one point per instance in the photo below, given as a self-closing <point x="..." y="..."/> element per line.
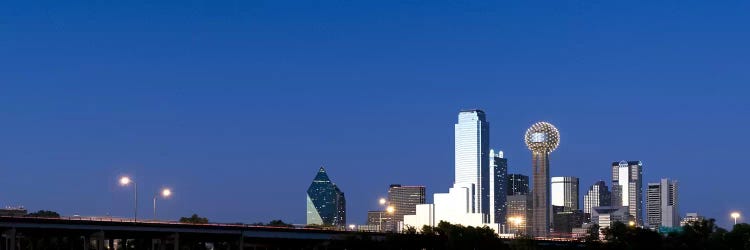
<point x="235" y="104"/>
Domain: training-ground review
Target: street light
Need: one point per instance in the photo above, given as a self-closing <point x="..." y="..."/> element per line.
<point x="165" y="193"/>
<point x="390" y="210"/>
<point x="351" y="227"/>
<point x="125" y="181"/>
<point x="631" y="223"/>
<point x="735" y="215"/>
<point x="382" y="202"/>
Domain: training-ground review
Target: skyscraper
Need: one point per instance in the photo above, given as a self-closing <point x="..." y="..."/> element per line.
<point x="661" y="206"/>
<point x="404" y="200"/>
<point x="498" y="185"/>
<point x="565" y="192"/>
<point x="542" y="138"/>
<point x="598" y="195"/>
<point x="472" y="158"/>
<point x="519" y="213"/>
<point x="326" y="204"/>
<point x="518" y="184"/>
<point x="627" y="188"/>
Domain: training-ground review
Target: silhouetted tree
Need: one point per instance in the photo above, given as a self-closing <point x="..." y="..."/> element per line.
<point x="278" y="223"/>
<point x="44" y="214"/>
<point x="194" y="219"/>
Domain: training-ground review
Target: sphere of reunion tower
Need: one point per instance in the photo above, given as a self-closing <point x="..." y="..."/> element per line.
<point x="542" y="137"/>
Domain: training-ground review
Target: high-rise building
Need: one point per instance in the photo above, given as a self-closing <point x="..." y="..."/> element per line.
<point x="564" y="192"/>
<point x="472" y="158"/>
<point x="518" y="184"/>
<point x="468" y="201"/>
<point x="542" y="138"/>
<point x="519" y="213"/>
<point x="379" y="220"/>
<point x="498" y="185"/>
<point x="661" y="206"/>
<point x="627" y="188"/>
<point x="326" y="204"/>
<point x="598" y="195"/>
<point x="404" y="200"/>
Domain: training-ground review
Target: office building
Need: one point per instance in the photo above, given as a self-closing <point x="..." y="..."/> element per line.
<point x="564" y="221"/>
<point x="468" y="201"/>
<point x="691" y="218"/>
<point x="519" y="213"/>
<point x="404" y="200"/>
<point x="326" y="204"/>
<point x="661" y="206"/>
<point x="564" y="192"/>
<point x="598" y="195"/>
<point x="541" y="138"/>
<point x="604" y="216"/>
<point x="472" y="166"/>
<point x="627" y="188"/>
<point x="498" y="186"/>
<point x="518" y="184"/>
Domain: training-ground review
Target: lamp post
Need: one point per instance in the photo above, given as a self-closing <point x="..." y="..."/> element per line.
<point x="125" y="181"/>
<point x="390" y="210"/>
<point x="735" y="215"/>
<point x="165" y="193"/>
<point x="382" y="202"/>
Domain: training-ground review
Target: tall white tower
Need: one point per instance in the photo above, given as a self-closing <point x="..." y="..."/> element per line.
<point x="472" y="158"/>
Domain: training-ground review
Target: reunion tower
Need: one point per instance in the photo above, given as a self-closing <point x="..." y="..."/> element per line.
<point x="542" y="138"/>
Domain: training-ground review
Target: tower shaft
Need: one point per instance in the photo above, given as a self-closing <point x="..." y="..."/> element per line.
<point x="540" y="195"/>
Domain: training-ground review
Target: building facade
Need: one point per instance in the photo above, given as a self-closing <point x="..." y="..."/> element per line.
<point x="564" y="192"/>
<point x="404" y="200"/>
<point x="661" y="206"/>
<point x="598" y="195"/>
<point x="498" y="186"/>
<point x="604" y="216"/>
<point x="627" y="188"/>
<point x="691" y="218"/>
<point x="472" y="166"/>
<point x="519" y="213"/>
<point x="326" y="204"/>
<point x="468" y="201"/>
<point x="518" y="184"/>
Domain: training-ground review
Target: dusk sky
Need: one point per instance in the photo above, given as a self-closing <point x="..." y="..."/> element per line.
<point x="236" y="104"/>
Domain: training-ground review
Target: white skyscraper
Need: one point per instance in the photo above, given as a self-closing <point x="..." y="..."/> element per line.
<point x="564" y="192"/>
<point x="661" y="207"/>
<point x="472" y="158"/>
<point x="468" y="201"/>
<point x="627" y="188"/>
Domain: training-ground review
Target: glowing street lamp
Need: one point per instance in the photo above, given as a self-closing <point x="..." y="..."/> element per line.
<point x="165" y="193"/>
<point x="126" y="181"/>
<point x="735" y="215"/>
<point x="382" y="202"/>
<point x="631" y="223"/>
<point x="352" y="226"/>
<point x="390" y="210"/>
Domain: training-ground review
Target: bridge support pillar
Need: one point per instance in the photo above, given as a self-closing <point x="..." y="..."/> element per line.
<point x="176" y="240"/>
<point x="10" y="242"/>
<point x="98" y="238"/>
<point x="242" y="241"/>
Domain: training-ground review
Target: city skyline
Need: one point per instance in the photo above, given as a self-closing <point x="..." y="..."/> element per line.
<point x="239" y="103"/>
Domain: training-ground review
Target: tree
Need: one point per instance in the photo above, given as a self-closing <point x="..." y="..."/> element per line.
<point x="44" y="214"/>
<point x="278" y="223"/>
<point x="194" y="219"/>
